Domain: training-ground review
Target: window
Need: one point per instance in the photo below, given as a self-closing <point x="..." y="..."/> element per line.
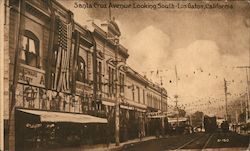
<point x="81" y="70"/>
<point x="30" y="49"/>
<point x="112" y="87"/>
<point x="109" y="84"/>
<point x="121" y="82"/>
<point x="99" y="77"/>
<point x="133" y="93"/>
<point x="138" y="90"/>
<point x="143" y="95"/>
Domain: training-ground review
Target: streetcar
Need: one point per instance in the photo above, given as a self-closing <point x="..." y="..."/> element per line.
<point x="225" y="126"/>
<point x="210" y="124"/>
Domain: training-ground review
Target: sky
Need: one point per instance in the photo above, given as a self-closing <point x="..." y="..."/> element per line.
<point x="203" y="46"/>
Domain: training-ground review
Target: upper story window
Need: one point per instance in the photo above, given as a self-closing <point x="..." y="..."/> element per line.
<point x="143" y="96"/>
<point x="133" y="93"/>
<point x="30" y="49"/>
<point x="99" y="77"/>
<point x="81" y="70"/>
<point x="138" y="90"/>
<point x="111" y="79"/>
<point x="122" y="82"/>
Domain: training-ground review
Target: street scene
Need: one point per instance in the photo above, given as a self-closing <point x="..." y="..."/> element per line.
<point x="125" y="75"/>
<point x="198" y="141"/>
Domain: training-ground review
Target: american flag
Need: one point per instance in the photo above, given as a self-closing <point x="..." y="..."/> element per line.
<point x="61" y="81"/>
<point x="62" y="35"/>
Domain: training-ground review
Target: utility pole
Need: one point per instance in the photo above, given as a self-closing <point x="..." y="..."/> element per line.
<point x="117" y="98"/>
<point x="190" y="120"/>
<point x="176" y="96"/>
<point x="225" y="88"/>
<point x="162" y="119"/>
<point x="117" y="102"/>
<point x="202" y="121"/>
<point x="236" y="117"/>
<point x="176" y="104"/>
<point x="248" y="97"/>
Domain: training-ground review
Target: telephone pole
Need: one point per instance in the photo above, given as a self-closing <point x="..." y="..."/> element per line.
<point x="248" y="97"/>
<point x="176" y="104"/>
<point x="117" y="102"/>
<point x="162" y="120"/>
<point x="225" y="89"/>
<point x="176" y="96"/>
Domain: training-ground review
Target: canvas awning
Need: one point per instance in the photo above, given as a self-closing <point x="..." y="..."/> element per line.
<point x="108" y="103"/>
<point x="48" y="116"/>
<point x="174" y="120"/>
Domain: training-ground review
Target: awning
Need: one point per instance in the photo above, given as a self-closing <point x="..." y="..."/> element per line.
<point x="127" y="107"/>
<point x="108" y="103"/>
<point x="48" y="116"/>
<point x="174" y="120"/>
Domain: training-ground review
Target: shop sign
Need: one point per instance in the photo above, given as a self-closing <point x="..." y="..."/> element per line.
<point x="156" y="114"/>
<point x="81" y="87"/>
<point x="32" y="76"/>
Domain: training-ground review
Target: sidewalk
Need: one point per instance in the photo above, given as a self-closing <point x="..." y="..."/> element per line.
<point x="99" y="147"/>
<point x="112" y="147"/>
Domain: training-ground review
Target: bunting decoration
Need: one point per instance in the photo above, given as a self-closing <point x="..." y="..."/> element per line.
<point x="200" y="71"/>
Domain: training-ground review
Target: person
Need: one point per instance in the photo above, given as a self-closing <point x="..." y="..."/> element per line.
<point x="38" y="140"/>
<point x="157" y="134"/>
<point x="107" y="136"/>
<point x="140" y="135"/>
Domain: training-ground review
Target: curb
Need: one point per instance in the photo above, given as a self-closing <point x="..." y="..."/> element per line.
<point x="119" y="147"/>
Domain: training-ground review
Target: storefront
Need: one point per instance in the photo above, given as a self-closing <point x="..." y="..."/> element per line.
<point x="46" y="129"/>
<point x="132" y="123"/>
<point x="154" y="122"/>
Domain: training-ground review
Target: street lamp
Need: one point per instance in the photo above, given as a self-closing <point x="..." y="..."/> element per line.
<point x="247" y="23"/>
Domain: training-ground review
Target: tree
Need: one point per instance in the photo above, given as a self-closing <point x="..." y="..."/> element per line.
<point x="182" y="113"/>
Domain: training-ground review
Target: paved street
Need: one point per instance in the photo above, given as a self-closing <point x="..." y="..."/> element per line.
<point x="201" y="141"/>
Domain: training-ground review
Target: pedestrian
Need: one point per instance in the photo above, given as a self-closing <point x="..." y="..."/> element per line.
<point x="107" y="136"/>
<point x="140" y="135"/>
<point x="157" y="134"/>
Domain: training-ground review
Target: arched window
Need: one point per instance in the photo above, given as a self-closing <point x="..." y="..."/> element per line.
<point x="81" y="69"/>
<point x="30" y="49"/>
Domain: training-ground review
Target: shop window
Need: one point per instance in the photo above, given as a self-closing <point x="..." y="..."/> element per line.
<point x="30" y="49"/>
<point x="81" y="70"/>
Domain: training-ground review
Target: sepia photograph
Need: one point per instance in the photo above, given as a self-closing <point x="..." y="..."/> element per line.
<point x="124" y="75"/>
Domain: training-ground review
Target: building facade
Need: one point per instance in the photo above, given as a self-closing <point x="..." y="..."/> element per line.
<point x="65" y="83"/>
<point x="49" y="77"/>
